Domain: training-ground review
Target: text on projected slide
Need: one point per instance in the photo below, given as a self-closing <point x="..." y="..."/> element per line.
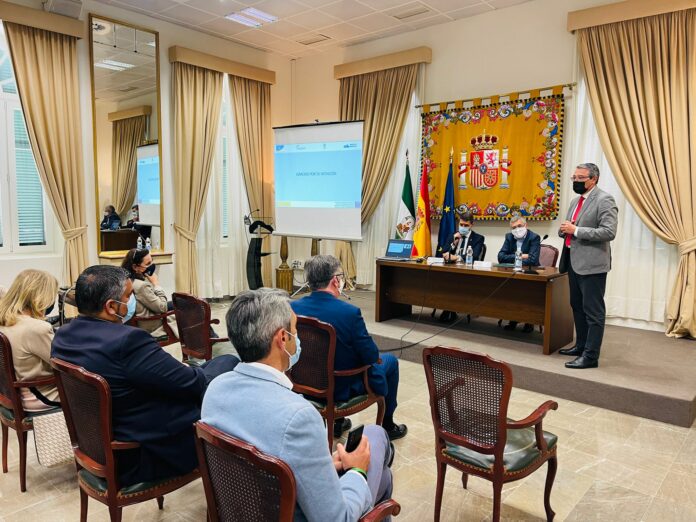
<point x="318" y="175"/>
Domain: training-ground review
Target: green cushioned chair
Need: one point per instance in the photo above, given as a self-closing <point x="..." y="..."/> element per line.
<point x="12" y="414"/>
<point x="86" y="400"/>
<point x="469" y="396"/>
<point x="314" y="376"/>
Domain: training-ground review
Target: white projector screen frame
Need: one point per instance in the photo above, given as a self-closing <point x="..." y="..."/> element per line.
<point x="318" y="180"/>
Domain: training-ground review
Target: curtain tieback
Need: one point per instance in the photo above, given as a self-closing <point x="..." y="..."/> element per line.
<point x="187" y="234"/>
<point x="687" y="246"/>
<point x="74" y="233"/>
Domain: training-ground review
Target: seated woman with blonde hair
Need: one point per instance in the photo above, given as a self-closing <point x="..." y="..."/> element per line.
<point x="150" y="298"/>
<point x="22" y="311"/>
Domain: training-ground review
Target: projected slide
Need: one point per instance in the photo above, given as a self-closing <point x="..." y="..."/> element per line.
<point x="148" y="195"/>
<point x="318" y="180"/>
<point x="319" y="175"/>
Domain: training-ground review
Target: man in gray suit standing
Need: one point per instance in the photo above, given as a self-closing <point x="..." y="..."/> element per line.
<point x="589" y="227"/>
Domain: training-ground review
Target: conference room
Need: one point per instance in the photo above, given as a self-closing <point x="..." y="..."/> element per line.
<point x="347" y="260"/>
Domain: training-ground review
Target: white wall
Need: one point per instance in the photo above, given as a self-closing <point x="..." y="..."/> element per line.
<point x="170" y="35"/>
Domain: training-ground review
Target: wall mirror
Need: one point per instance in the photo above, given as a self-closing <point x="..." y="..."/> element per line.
<point x="127" y="135"/>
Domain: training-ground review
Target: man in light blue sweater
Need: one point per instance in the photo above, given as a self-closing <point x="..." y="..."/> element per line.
<point x="255" y="403"/>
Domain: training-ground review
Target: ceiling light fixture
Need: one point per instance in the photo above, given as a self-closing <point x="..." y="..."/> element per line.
<point x="122" y="65"/>
<point x="103" y="65"/>
<point x="252" y="17"/>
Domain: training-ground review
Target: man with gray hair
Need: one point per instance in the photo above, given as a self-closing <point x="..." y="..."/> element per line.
<point x="589" y="227"/>
<point x="155" y="398"/>
<point x="255" y="403"/>
<point x="354" y="345"/>
<point x="520" y="239"/>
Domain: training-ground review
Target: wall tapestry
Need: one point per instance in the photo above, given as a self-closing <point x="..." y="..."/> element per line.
<point x="506" y="156"/>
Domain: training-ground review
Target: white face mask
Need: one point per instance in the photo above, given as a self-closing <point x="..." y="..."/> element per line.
<point x="519" y="232"/>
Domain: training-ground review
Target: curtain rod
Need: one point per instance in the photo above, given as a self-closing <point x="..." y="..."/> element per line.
<point x="569" y="85"/>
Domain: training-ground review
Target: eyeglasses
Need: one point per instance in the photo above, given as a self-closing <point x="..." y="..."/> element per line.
<point x="340" y="274"/>
<point x="575" y="178"/>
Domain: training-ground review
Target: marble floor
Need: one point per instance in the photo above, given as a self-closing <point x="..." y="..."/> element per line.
<point x="612" y="467"/>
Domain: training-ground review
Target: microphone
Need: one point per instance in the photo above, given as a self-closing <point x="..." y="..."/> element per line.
<point x="546" y="236"/>
<point x="247" y="218"/>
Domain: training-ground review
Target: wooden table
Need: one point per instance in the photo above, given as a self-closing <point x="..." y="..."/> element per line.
<point x="540" y="299"/>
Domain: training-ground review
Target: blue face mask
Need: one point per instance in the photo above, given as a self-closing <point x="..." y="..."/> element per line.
<point x="131" y="309"/>
<point x="298" y="350"/>
<point x="464" y="231"/>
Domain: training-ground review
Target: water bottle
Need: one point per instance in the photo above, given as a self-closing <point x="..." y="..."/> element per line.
<point x="140" y="243"/>
<point x="469" y="256"/>
<point x="518" y="261"/>
<point x="148" y="244"/>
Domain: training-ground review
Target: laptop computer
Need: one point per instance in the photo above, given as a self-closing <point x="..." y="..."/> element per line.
<point x="398" y="250"/>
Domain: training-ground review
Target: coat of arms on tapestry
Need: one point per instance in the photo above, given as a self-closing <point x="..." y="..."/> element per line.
<point x="506" y="157"/>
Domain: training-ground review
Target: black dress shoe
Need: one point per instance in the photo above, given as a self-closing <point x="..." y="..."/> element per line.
<point x="397" y="431"/>
<point x="340" y="426"/>
<point x="527" y="328"/>
<point x="575" y="351"/>
<point x="445" y="316"/>
<point x="510" y="326"/>
<point x="581" y="363"/>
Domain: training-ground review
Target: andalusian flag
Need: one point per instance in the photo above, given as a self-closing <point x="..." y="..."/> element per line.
<point x="422" y="244"/>
<point x="406" y="219"/>
<point x="447" y="224"/>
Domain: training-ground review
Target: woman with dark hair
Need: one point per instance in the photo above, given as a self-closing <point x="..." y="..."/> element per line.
<point x="111" y="220"/>
<point x="150" y="298"/>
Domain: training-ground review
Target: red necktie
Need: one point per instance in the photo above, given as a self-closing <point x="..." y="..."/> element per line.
<point x="575" y="216"/>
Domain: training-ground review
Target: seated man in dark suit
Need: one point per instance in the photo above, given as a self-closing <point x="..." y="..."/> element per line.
<point x="354" y="346"/>
<point x="155" y="398"/>
<point x="111" y="220"/>
<point x="529" y="244"/>
<point x="459" y="243"/>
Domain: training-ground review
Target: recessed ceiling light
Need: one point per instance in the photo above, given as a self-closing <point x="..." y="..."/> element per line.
<point x="313" y="39"/>
<point x="252" y="17"/>
<point x="114" y="63"/>
<point x="103" y="65"/>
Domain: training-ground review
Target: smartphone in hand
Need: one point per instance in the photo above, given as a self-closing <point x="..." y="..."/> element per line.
<point x="354" y="438"/>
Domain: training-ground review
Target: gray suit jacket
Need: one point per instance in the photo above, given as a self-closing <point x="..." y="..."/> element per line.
<point x="590" y="252"/>
<point x="253" y="405"/>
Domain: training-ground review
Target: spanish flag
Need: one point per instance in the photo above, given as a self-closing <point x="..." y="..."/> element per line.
<point x="422" y="243"/>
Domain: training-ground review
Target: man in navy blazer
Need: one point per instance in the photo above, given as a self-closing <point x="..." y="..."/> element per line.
<point x="529" y="244"/>
<point x="255" y="403"/>
<point x="354" y="345"/>
<point x="155" y="398"/>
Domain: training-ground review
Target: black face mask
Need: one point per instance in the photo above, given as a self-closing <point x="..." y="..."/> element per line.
<point x="49" y="309"/>
<point x="150" y="270"/>
<point x="579" y="187"/>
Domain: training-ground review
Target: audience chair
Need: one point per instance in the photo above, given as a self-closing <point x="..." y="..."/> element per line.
<point x="314" y="376"/>
<point x="193" y="321"/>
<point x="86" y="400"/>
<point x="169" y="336"/>
<point x="548" y="256"/>
<point x="469" y="395"/>
<point x="12" y="414"/>
<point x="243" y="484"/>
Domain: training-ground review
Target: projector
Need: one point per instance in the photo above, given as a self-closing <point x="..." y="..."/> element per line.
<point x="71" y="8"/>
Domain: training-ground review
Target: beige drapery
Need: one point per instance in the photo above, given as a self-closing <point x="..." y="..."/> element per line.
<point x="126" y="135"/>
<point x="197" y="96"/>
<point x="45" y="66"/>
<point x="251" y="100"/>
<point x="381" y="99"/>
<point x="641" y="77"/>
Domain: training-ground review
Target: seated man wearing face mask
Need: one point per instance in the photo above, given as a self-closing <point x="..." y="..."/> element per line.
<point x="459" y="242"/>
<point x="529" y="244"/>
<point x="155" y="398"/>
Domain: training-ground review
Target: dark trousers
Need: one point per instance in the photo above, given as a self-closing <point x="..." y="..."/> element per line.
<point x="589" y="311"/>
<point x="384" y="379"/>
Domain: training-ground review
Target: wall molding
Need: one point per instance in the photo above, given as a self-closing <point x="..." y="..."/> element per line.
<point x="19" y="14"/>
<point x="623" y="11"/>
<point x="216" y="63"/>
<point x="385" y="61"/>
<point x="141" y="110"/>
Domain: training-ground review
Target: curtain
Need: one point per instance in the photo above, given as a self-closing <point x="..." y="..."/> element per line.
<point x="381" y="99"/>
<point x="45" y="66"/>
<point x="641" y="79"/>
<point x="651" y="260"/>
<point x="251" y="101"/>
<point x="377" y="230"/>
<point x="126" y="135"/>
<point x="197" y="96"/>
<point x="223" y="259"/>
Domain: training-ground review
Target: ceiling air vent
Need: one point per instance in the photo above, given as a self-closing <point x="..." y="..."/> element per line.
<point x="313" y="39"/>
<point x="406" y="12"/>
<point x="71" y="8"/>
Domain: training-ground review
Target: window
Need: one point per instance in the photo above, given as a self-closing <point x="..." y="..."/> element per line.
<point x="23" y="205"/>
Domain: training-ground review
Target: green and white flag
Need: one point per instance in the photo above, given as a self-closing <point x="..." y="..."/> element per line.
<point x="406" y="218"/>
